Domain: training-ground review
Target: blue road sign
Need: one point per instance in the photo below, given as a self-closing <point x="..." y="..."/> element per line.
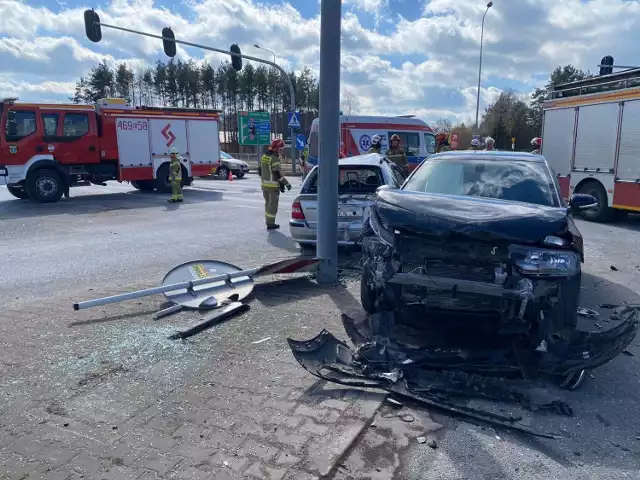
<point x="301" y="141"/>
<point x="264" y="127"/>
<point x="294" y="119"/>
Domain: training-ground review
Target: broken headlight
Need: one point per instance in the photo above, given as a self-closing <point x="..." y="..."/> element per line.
<point x="380" y="230"/>
<point x="549" y="263"/>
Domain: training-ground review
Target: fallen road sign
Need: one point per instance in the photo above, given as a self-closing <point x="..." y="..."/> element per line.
<point x="231" y="277"/>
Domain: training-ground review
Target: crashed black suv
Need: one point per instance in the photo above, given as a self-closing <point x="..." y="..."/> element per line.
<point x="479" y="243"/>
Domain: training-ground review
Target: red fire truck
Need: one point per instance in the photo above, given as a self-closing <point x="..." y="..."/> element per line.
<point x="45" y="149"/>
<point x="591" y="138"/>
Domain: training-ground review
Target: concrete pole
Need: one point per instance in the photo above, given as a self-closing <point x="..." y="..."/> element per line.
<point x="327" y="248"/>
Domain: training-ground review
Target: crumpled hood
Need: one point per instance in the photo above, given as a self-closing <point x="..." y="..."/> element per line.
<point x="481" y="218"/>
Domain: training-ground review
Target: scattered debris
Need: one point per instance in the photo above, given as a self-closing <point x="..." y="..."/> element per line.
<point x="56" y="408"/>
<point x="407" y="418"/>
<point x="592" y="376"/>
<point x="262" y="340"/>
<point x="211" y="320"/>
<point x="577" y="454"/>
<point x="608" y="306"/>
<point x="421" y="440"/>
<point x="614" y="268"/>
<point x="587" y="312"/>
<point x="394" y="403"/>
<point x="627" y="352"/>
<point x="167" y="311"/>
<point x="603" y="420"/>
<point x="432" y="443"/>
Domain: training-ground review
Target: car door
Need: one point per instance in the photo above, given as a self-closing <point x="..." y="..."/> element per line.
<point x="21" y="136"/>
<point x="77" y="140"/>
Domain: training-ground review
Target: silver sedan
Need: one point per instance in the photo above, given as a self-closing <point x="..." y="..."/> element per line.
<point x="360" y="177"/>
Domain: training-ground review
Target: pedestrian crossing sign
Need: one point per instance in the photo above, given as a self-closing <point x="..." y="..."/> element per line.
<point x="294" y="119"/>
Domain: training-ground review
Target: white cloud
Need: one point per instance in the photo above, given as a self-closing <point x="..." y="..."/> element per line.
<point x="427" y="66"/>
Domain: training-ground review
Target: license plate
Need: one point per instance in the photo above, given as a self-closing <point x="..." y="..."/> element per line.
<point x="350" y="212"/>
<point x="4" y="172"/>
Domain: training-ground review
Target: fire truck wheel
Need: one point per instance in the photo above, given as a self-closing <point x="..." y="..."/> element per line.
<point x="17" y="192"/>
<point x="45" y="186"/>
<point x="143" y="185"/>
<point x="603" y="213"/>
<point x="162" y="179"/>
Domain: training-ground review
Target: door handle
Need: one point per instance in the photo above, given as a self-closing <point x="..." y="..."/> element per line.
<point x="92" y="148"/>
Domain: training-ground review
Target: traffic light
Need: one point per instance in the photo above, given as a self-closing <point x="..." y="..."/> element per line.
<point x="236" y="62"/>
<point x="169" y="45"/>
<point x="92" y="26"/>
<point x="608" y="60"/>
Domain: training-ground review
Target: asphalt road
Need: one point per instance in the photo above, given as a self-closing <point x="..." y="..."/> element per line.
<point x="115" y="235"/>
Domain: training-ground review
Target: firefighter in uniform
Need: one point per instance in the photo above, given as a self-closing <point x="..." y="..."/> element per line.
<point x="273" y="182"/>
<point x="489" y="143"/>
<point x="536" y="143"/>
<point x="175" y="176"/>
<point x="376" y="144"/>
<point x="396" y="153"/>
<point x="442" y="143"/>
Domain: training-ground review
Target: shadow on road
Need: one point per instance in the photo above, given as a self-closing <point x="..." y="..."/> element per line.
<point x="282" y="241"/>
<point x="97" y="203"/>
<point x="276" y="293"/>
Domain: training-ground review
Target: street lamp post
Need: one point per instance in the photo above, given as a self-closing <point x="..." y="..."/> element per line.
<point x="275" y="80"/>
<point x="489" y="5"/>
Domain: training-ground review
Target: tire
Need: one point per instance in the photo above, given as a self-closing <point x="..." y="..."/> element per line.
<point x="367" y="295"/>
<point x="223" y="172"/>
<point x="239" y="175"/>
<point x="18" y="192"/>
<point x="45" y="186"/>
<point x="143" y="185"/>
<point x="162" y="179"/>
<point x="603" y="213"/>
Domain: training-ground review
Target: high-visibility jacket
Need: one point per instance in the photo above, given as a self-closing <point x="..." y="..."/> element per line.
<point x="270" y="175"/>
<point x="443" y="148"/>
<point x="175" y="169"/>
<point x="397" y="156"/>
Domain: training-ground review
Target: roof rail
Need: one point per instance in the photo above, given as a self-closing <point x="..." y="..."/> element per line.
<point x="405" y="116"/>
<point x="601" y="83"/>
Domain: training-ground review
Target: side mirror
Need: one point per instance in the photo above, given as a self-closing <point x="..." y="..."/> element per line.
<point x="92" y="26"/>
<point x="383" y="188"/>
<point x="581" y="201"/>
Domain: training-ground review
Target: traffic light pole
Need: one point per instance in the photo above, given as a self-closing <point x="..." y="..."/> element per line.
<point x="328" y="172"/>
<point x="292" y="91"/>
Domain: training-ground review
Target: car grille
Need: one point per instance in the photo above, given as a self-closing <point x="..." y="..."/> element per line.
<point x="435" y="268"/>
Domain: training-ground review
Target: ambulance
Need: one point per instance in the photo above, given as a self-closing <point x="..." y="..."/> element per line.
<point x="416" y="137"/>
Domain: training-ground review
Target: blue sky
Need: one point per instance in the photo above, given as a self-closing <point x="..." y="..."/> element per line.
<point x="398" y="56"/>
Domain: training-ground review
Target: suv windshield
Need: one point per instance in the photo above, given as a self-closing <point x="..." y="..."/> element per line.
<point x="353" y="179"/>
<point x="507" y="179"/>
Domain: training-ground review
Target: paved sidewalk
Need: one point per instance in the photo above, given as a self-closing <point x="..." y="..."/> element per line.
<point x="104" y="394"/>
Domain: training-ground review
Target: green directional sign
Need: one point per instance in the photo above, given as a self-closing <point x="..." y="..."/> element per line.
<point x="254" y="128"/>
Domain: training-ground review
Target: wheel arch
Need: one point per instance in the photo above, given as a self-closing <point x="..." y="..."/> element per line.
<point x="588" y="180"/>
<point x="41" y="163"/>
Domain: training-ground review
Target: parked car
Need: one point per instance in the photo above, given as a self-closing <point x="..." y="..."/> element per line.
<point x="484" y="245"/>
<point x="360" y="176"/>
<point x="239" y="168"/>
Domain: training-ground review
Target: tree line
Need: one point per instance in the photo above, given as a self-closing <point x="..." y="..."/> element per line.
<point x="510" y="116"/>
<point x="191" y="85"/>
<point x="187" y="84"/>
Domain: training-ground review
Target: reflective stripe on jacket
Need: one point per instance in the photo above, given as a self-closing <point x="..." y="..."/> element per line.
<point x="175" y="170"/>
<point x="269" y="165"/>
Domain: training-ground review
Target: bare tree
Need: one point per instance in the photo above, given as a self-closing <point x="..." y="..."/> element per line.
<point x="350" y="103"/>
<point x="443" y="125"/>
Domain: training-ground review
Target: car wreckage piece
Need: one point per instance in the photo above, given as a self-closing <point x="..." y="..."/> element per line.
<point x="327" y="358"/>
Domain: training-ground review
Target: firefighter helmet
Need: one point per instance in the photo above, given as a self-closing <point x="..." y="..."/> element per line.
<point x="394" y="138"/>
<point x="277" y="144"/>
<point x="475" y="142"/>
<point x="173" y="151"/>
<point x="536" y="142"/>
<point x="376" y="139"/>
<point x="441" y="138"/>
